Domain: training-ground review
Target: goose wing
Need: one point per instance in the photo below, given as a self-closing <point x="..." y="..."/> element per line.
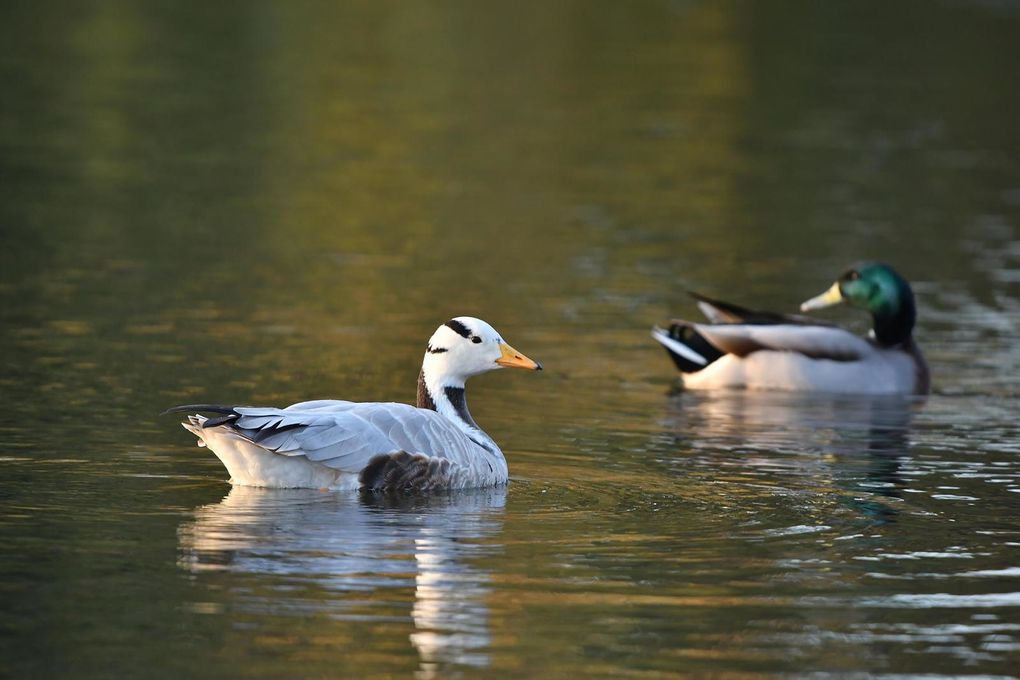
<point x="346" y="435"/>
<point x="817" y="342"/>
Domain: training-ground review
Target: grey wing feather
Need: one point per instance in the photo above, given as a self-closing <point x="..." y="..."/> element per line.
<point x="817" y="342"/>
<point x="347" y="435"/>
<point x="420" y="431"/>
<point x="322" y="405"/>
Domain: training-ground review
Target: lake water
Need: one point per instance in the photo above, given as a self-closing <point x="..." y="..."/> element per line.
<point x="266" y="202"/>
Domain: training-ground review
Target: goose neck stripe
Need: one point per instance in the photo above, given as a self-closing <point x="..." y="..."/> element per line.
<point x="435" y="350"/>
<point x="458" y="328"/>
<point x="455" y="395"/>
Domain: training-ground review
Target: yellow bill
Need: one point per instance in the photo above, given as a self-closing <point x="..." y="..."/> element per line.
<point x="831" y="297"/>
<point x="511" y="358"/>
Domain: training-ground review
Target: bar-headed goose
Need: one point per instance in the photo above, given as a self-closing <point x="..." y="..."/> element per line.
<point x="764" y="350"/>
<point x="346" y="445"/>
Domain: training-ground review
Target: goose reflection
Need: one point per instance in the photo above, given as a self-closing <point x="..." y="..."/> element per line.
<point x="861" y="442"/>
<point x="348" y="544"/>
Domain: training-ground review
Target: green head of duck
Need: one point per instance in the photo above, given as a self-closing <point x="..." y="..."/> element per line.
<point x="876" y="288"/>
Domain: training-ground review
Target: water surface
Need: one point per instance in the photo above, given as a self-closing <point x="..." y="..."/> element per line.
<point x="264" y="203"/>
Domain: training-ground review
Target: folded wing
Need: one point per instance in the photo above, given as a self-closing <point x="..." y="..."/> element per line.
<point x="720" y="312"/>
<point x="346" y="435"/>
<point x="817" y="342"/>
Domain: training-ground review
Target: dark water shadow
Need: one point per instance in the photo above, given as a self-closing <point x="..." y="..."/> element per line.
<point x="371" y="544"/>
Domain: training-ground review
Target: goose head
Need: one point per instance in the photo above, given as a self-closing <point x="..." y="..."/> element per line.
<point x="466" y="346"/>
<point x="460" y="348"/>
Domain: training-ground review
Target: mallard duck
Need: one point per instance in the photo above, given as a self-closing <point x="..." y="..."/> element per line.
<point x="344" y="445"/>
<point x="765" y="350"/>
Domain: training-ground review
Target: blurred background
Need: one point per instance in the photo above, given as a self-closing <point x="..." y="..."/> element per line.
<point x="263" y="202"/>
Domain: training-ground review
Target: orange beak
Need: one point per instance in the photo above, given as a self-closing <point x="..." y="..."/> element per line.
<point x="511" y="358"/>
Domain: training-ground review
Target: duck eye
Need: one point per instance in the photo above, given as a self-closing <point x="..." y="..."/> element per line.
<point x="852" y="275"/>
<point x="476" y="339"/>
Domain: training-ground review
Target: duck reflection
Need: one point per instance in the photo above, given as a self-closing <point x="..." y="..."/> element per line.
<point x="861" y="442"/>
<point x="345" y="543"/>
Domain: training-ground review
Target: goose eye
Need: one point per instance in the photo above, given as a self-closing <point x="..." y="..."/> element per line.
<point x="476" y="339"/>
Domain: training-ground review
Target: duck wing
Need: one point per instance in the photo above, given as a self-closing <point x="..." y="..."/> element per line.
<point x="718" y="311"/>
<point x="742" y="331"/>
<point x="814" y="341"/>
